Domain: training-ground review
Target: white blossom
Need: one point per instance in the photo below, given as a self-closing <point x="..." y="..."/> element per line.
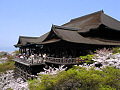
<point x="105" y="57"/>
<point x="7" y="81"/>
<point x="53" y="70"/>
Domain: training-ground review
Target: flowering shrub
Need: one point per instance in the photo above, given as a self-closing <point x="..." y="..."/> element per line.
<point x="103" y="58"/>
<point x="48" y="75"/>
<point x="53" y="71"/>
<point x="8" y="82"/>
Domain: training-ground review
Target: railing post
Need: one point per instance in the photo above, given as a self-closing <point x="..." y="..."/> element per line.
<point x="60" y="60"/>
<point x="63" y="59"/>
<point x="32" y="61"/>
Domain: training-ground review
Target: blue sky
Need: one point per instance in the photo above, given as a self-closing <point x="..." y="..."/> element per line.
<point x="35" y="17"/>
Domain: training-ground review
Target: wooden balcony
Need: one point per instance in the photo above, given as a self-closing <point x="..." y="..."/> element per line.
<point x="52" y="60"/>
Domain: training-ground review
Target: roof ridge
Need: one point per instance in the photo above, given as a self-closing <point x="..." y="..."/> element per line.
<point x="101" y="11"/>
<point x="65" y="28"/>
<point x="27" y="37"/>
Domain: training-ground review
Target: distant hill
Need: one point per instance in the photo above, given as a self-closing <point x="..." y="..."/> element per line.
<point x="8" y="49"/>
<point x="3" y="53"/>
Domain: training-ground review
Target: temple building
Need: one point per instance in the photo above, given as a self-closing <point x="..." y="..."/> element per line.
<point x="63" y="45"/>
<point x="75" y="38"/>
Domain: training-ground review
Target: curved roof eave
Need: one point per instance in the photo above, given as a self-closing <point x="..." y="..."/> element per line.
<point x="74" y="37"/>
<point x="42" y="38"/>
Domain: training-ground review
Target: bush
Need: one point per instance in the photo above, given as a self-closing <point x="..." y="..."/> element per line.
<point x="78" y="78"/>
<point x="88" y="58"/>
<point x="8" y="65"/>
<point x="116" y="50"/>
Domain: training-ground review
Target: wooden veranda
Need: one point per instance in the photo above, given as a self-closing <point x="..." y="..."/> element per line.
<point x="52" y="60"/>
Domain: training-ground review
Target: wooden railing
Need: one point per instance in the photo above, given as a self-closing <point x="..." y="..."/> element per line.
<point x="50" y="60"/>
<point x="29" y="61"/>
<point x="64" y="60"/>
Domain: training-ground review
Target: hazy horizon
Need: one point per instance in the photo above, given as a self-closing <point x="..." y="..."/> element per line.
<point x="8" y="49"/>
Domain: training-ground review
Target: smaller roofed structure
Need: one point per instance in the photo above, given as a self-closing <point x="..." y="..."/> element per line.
<point x="24" y="40"/>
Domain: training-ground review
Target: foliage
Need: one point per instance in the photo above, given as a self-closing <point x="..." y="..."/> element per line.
<point x="106" y="87"/>
<point x="9" y="89"/>
<point x="10" y="58"/>
<point x="3" y="54"/>
<point x="16" y="52"/>
<point x="8" y="65"/>
<point x="87" y="58"/>
<point x="78" y="78"/>
<point x="116" y="50"/>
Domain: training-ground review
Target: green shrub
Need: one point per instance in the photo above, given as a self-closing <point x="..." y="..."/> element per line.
<point x="106" y="87"/>
<point x="78" y="78"/>
<point x="88" y="58"/>
<point x="116" y="50"/>
<point x="9" y="89"/>
<point x="8" y="65"/>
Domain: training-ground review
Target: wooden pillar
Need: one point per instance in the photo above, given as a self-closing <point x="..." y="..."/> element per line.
<point x="64" y="51"/>
<point x="57" y="52"/>
<point x="26" y="75"/>
<point x="84" y="51"/>
<point x="50" y="52"/>
<point x="25" y="50"/>
<point x="21" y="51"/>
<point x="74" y="53"/>
<point x="29" y="51"/>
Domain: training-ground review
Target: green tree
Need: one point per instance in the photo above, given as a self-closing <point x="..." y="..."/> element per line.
<point x="78" y="78"/>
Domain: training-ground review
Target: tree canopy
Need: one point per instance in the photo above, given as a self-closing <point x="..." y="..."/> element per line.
<point x="78" y="78"/>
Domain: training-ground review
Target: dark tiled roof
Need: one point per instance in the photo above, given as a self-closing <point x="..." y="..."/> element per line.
<point x="73" y="36"/>
<point x="41" y="38"/>
<point x="23" y="40"/>
<point x="65" y="28"/>
<point x="90" y="21"/>
<point x="70" y="31"/>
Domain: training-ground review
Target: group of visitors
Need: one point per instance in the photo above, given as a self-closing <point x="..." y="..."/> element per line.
<point x="21" y="56"/>
<point x="39" y="57"/>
